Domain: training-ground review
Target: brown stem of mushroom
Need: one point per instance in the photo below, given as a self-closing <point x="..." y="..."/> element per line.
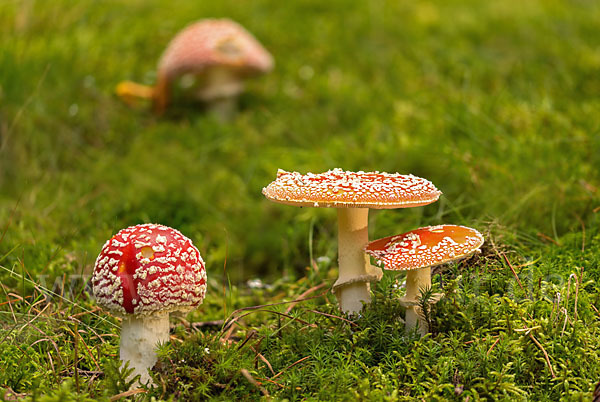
<point x="353" y="235"/>
<point x="416" y="280"/>
<point x="161" y="94"/>
<point x="140" y="336"/>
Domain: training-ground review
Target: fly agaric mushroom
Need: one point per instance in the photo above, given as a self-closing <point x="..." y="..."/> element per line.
<point x="142" y="274"/>
<point x="352" y="194"/>
<point x="218" y="53"/>
<point x="416" y="252"/>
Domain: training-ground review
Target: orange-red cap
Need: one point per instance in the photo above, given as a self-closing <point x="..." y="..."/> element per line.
<point x="425" y="247"/>
<point x="211" y="43"/>
<point x="343" y="189"/>
<point x="149" y="268"/>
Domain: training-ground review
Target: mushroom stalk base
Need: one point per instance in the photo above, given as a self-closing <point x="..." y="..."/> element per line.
<point x="416" y="280"/>
<point x="224" y="109"/>
<point x="139" y="339"/>
<point x="352" y="288"/>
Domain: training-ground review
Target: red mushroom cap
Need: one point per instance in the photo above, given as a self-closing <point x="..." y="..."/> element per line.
<point x="149" y="268"/>
<point x="342" y="189"/>
<point x="425" y="247"/>
<point x="214" y="42"/>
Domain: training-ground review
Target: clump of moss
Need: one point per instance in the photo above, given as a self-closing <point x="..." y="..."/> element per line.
<point x="203" y="366"/>
<point x="493" y="336"/>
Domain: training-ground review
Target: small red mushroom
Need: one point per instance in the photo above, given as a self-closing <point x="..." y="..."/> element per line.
<point x="419" y="250"/>
<point x="142" y="274"/>
<point x="218" y="54"/>
<point x="353" y="194"/>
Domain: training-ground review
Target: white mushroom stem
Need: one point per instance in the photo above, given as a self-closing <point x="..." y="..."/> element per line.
<point x="220" y="92"/>
<point x="416" y="280"/>
<point x="352" y="288"/>
<point x="140" y="336"/>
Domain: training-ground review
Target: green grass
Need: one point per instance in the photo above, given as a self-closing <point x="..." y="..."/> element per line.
<point x="495" y="102"/>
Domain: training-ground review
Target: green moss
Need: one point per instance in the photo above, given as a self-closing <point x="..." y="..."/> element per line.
<point x="495" y="102"/>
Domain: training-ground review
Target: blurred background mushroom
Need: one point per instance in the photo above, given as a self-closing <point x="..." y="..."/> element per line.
<point x="142" y="274"/>
<point x="212" y="58"/>
<point x="416" y="252"/>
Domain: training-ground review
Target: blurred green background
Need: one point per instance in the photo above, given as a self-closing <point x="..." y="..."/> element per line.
<point x="495" y="102"/>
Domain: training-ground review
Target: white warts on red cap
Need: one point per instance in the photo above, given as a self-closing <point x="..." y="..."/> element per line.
<point x="345" y="189"/>
<point x="148" y="268"/>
